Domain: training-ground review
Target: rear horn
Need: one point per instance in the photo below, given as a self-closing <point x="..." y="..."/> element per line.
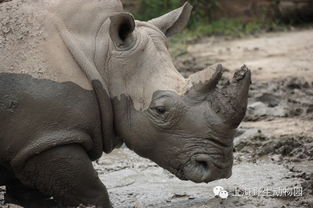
<point x="206" y="80"/>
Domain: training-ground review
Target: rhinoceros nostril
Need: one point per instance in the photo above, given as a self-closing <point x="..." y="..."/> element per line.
<point x="203" y="161"/>
<point x="203" y="165"/>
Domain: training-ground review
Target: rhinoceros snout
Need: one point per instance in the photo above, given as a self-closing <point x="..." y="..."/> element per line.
<point x="208" y="167"/>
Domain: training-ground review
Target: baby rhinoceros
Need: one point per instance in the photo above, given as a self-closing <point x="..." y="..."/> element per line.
<point x="79" y="78"/>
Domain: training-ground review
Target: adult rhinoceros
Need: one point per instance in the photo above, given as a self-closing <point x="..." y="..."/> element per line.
<point x="79" y="78"/>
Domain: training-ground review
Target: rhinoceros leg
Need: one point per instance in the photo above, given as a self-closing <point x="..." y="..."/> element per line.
<point x="18" y="193"/>
<point x="67" y="174"/>
<point x="6" y="175"/>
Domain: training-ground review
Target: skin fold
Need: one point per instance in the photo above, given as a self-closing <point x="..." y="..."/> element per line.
<point x="93" y="79"/>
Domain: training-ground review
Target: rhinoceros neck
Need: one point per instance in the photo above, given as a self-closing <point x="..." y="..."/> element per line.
<point x="83" y="27"/>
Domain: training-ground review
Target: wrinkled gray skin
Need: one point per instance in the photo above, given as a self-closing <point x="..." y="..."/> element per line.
<point x="107" y="80"/>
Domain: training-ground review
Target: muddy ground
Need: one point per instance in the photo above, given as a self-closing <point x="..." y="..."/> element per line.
<point x="273" y="147"/>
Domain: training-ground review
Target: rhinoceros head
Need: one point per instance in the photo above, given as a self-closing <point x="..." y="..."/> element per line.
<point x="184" y="125"/>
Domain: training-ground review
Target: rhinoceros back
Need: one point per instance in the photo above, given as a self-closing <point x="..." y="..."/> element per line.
<point x="29" y="45"/>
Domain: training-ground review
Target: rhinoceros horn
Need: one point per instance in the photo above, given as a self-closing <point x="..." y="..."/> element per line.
<point x="238" y="95"/>
<point x="204" y="81"/>
<point x="229" y="102"/>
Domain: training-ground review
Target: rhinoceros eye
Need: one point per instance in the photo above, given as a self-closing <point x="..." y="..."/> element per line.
<point x="160" y="110"/>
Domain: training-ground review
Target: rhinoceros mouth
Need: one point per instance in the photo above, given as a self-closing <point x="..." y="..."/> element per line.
<point x="206" y="168"/>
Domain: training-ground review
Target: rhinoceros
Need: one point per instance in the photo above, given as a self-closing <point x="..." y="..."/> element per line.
<point x="80" y="78"/>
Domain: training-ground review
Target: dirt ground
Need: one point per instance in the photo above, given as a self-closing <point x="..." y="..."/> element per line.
<point x="273" y="147"/>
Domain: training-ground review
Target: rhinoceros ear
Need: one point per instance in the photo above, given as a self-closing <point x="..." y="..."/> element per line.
<point x="174" y="21"/>
<point x="121" y="30"/>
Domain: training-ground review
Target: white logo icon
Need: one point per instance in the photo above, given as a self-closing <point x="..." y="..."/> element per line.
<point x="220" y="191"/>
